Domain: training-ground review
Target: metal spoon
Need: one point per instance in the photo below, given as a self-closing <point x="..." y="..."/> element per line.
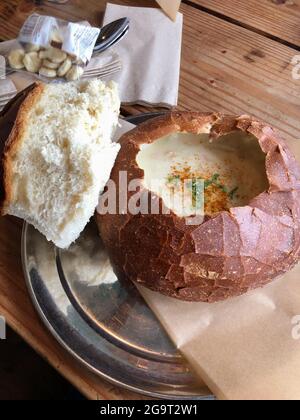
<point x="111" y="34"/>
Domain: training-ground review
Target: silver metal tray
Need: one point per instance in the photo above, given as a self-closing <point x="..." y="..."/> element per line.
<point x="102" y="321"/>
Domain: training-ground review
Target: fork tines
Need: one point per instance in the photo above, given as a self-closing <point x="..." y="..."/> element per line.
<point x="102" y="71"/>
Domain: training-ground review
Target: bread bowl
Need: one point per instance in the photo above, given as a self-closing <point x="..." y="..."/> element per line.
<point x="240" y="245"/>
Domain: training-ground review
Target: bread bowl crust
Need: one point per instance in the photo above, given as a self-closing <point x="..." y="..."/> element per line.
<point x="228" y="254"/>
<point x="19" y="108"/>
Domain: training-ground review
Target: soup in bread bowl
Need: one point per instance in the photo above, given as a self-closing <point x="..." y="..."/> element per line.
<point x="250" y="188"/>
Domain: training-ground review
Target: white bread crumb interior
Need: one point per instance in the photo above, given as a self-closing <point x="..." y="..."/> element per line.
<point x="65" y="158"/>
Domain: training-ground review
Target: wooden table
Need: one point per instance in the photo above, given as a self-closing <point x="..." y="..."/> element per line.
<point x="236" y="58"/>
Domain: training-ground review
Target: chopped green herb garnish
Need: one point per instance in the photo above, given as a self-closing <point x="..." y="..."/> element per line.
<point x="233" y="193"/>
<point x="222" y="187"/>
<point x="196" y="187"/>
<point x="215" y="181"/>
<point x="208" y="183"/>
<point x="197" y="192"/>
<point x="215" y="177"/>
<point x="174" y="179"/>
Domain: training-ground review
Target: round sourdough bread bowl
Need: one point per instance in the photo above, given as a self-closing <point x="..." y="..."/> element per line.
<point x="250" y="233"/>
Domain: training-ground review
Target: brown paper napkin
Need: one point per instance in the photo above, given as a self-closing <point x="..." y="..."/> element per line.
<point x="170" y="7"/>
<point x="244" y="348"/>
<point x="247" y="348"/>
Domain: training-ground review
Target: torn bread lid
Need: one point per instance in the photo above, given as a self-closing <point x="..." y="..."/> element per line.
<point x="58" y="155"/>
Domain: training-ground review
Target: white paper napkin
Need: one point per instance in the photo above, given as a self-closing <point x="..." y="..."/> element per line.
<point x="150" y="54"/>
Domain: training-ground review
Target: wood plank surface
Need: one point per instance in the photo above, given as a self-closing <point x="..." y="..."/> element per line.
<point x="279" y="18"/>
<point x="225" y="67"/>
<point x="229" y="68"/>
<point x="276" y="17"/>
<point x="14" y="12"/>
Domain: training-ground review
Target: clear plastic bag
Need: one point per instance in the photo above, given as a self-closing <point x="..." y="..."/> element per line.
<point x="76" y="39"/>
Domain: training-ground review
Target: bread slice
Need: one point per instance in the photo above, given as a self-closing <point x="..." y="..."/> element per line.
<point x="59" y="155"/>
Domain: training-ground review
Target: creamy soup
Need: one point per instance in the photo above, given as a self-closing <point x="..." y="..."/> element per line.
<point x="227" y="172"/>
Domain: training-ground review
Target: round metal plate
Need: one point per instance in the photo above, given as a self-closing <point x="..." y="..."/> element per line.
<point x="100" y="319"/>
